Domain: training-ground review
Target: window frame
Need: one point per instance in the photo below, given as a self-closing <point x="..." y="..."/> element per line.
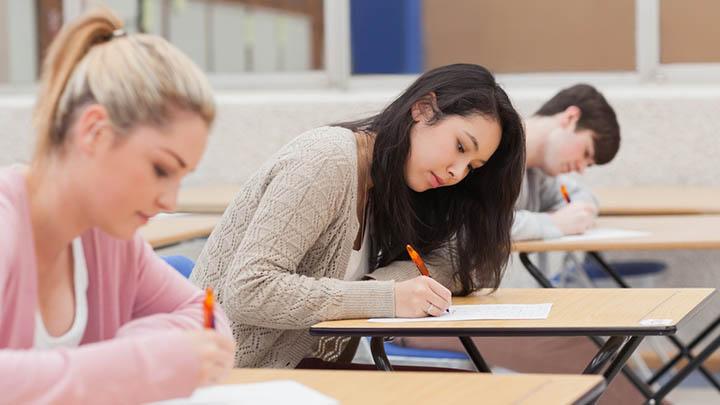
<point x="337" y="72"/>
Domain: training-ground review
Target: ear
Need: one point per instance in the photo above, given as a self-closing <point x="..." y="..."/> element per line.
<point x="424" y="109"/>
<point x="570" y="116"/>
<point x="91" y="129"/>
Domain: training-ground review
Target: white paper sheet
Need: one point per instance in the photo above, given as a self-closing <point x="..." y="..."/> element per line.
<point x="602" y="233"/>
<point x="480" y="312"/>
<point x="278" y="392"/>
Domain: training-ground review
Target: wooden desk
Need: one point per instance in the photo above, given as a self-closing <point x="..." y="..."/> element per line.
<point x="575" y="312"/>
<point x="621" y="314"/>
<point x="659" y="200"/>
<point x="168" y="230"/>
<point x="206" y="199"/>
<point x="371" y="387"/>
<point x="666" y="232"/>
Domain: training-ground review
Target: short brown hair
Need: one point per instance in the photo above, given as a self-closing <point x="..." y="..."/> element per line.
<point x="596" y="115"/>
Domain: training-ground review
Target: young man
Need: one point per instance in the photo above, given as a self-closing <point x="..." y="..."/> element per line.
<point x="575" y="129"/>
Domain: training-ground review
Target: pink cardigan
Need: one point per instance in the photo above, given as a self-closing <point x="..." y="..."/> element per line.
<point x="132" y="350"/>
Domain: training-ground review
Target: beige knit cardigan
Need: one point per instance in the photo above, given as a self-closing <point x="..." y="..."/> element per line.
<point x="279" y="254"/>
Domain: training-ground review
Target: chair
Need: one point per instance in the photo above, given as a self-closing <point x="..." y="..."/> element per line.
<point x="408" y="356"/>
<point x="180" y="263"/>
<point x="588" y="273"/>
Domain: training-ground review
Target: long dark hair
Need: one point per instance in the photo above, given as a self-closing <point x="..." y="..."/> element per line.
<point x="472" y="219"/>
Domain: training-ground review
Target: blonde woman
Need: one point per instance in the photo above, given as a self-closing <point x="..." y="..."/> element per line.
<point x="88" y="313"/>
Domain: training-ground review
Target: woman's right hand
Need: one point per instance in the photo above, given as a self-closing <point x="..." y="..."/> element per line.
<point x="420" y="297"/>
<point x="216" y="353"/>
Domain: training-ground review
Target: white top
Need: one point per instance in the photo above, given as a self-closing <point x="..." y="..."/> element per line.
<point x="74" y="335"/>
<point x="358" y="264"/>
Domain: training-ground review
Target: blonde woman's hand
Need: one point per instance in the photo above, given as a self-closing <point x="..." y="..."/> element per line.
<point x="215" y="352"/>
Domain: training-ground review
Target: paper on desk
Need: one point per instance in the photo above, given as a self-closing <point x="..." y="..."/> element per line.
<point x="602" y="233"/>
<point x="266" y="393"/>
<point x="480" y="312"/>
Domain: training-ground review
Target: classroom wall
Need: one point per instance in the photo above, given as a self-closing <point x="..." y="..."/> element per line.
<point x="689" y="31"/>
<point x="669" y="133"/>
<point x="567" y="35"/>
<point x="670" y="136"/>
<point x="21" y="41"/>
<point x="3" y="42"/>
<point x="531" y="36"/>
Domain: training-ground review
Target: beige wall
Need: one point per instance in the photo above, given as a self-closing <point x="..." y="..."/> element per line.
<point x="528" y="36"/>
<point x="670" y="137"/>
<point x="689" y="31"/>
<point x="4" y="50"/>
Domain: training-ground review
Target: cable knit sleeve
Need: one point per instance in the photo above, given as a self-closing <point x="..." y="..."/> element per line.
<point x="302" y="196"/>
<point x="439" y="266"/>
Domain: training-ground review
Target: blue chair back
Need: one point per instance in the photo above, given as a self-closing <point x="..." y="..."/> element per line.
<point x="180" y="263"/>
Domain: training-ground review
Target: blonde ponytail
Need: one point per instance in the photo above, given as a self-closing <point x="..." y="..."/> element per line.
<point x="138" y="78"/>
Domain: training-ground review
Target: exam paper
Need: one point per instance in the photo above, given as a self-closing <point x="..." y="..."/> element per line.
<point x="278" y="392"/>
<point x="602" y="233"/>
<point x="483" y="311"/>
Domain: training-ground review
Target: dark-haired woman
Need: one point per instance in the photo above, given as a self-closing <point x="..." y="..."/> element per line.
<point x="319" y="232"/>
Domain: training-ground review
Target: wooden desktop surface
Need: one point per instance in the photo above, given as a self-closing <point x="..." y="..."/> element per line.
<point x="665" y="232"/>
<point x="636" y="200"/>
<point x="206" y="199"/>
<point x="374" y="387"/>
<point x="658" y="200"/>
<point x="168" y="230"/>
<point x="602" y="312"/>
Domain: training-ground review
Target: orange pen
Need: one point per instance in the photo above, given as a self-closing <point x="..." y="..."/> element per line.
<point x="417" y="260"/>
<point x="563" y="191"/>
<point x="208" y="305"/>
<point x="419" y="263"/>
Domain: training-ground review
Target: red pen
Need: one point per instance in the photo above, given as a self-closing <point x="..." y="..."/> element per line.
<point x="208" y="304"/>
<point x="563" y="191"/>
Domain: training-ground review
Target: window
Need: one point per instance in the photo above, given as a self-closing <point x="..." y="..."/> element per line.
<point x="689" y="36"/>
<point x="224" y="37"/>
<point x="290" y="44"/>
<point x="507" y="36"/>
<point x="237" y="36"/>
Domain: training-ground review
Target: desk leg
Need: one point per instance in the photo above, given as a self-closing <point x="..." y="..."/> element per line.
<point x="619" y="363"/>
<point x="684" y="351"/>
<point x="607" y="353"/>
<point x="609" y="270"/>
<point x="377" y="347"/>
<point x="534" y="271"/>
<point x="690" y="346"/>
<point x="614" y="353"/>
<point x="545" y="283"/>
<point x="634" y="379"/>
<point x="474" y="354"/>
<point x="685" y="371"/>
